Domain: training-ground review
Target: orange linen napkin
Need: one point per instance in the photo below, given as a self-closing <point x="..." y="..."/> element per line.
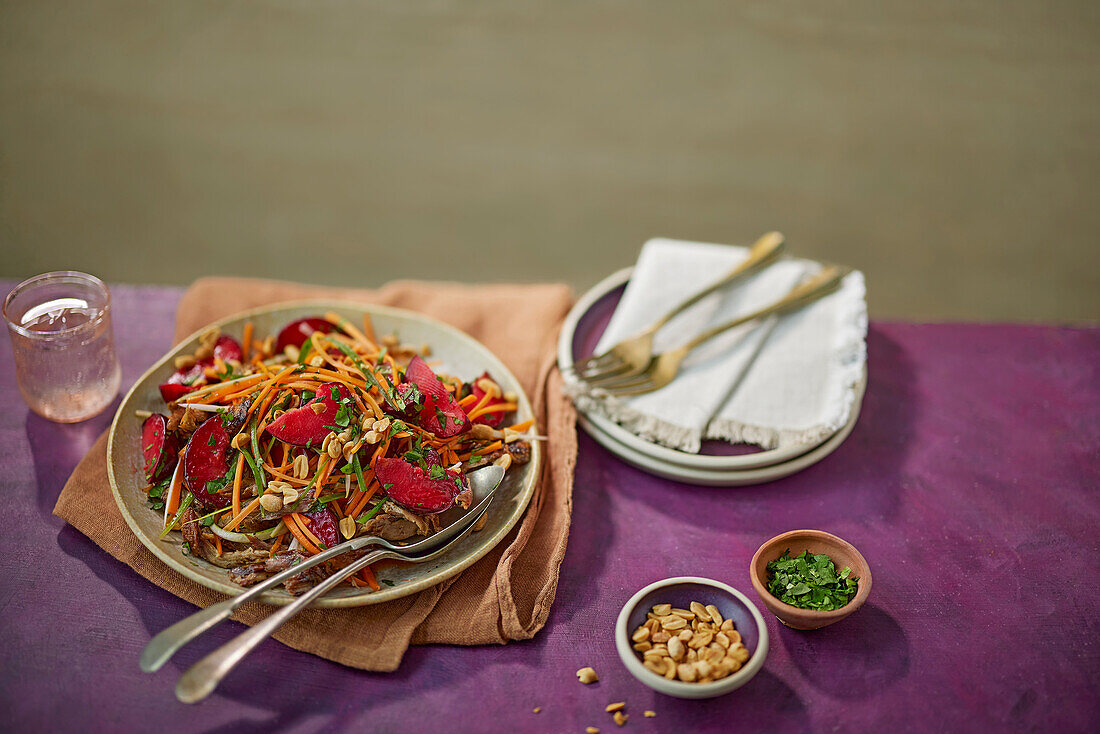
<point x="504" y="596"/>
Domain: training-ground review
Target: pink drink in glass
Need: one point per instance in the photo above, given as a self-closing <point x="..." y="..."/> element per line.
<point x="60" y="328"/>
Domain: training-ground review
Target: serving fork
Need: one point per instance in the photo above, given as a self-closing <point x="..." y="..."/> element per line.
<point x="631" y="356"/>
<point x="662" y="368"/>
<point x="483" y="483"/>
<point x="200" y="680"/>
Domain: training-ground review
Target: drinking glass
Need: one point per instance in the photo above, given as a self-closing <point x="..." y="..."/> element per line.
<point x="65" y="362"/>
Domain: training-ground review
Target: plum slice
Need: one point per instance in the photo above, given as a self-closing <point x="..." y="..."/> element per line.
<point x="420" y="491"/>
<point x="296" y="332"/>
<point x="183" y="381"/>
<point x="323" y="525"/>
<point x="303" y="426"/>
<point x="434" y="409"/>
<point x="493" y="420"/>
<point x="160" y="448"/>
<point x="227" y="349"/>
<point x="205" y="460"/>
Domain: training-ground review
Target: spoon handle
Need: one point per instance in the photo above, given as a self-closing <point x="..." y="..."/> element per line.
<point x="200" y="680"/>
<point x="165" y="644"/>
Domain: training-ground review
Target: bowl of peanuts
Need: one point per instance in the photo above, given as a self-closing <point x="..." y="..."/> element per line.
<point x="691" y="637"/>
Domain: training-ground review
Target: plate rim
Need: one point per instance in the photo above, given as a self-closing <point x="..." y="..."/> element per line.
<point x="664" y="454"/>
<point x="724" y="478"/>
<point x="277" y="598"/>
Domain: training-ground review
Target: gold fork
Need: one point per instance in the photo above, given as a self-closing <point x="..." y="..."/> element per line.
<point x="662" y="368"/>
<point x="630" y="356"/>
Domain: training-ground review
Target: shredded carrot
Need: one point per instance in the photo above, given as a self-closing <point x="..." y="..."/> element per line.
<point x="480" y="404"/>
<point x="498" y="408"/>
<point x="362" y="502"/>
<point x="468" y="400"/>
<point x="380" y="452"/>
<point x="378" y="414"/>
<point x="262" y="413"/>
<point x="393" y="365"/>
<point x="347" y="326"/>
<point x="246" y="341"/>
<point x="248" y="510"/>
<point x="237" y="485"/>
<point x="218" y="543"/>
<point x="278" y="543"/>
<point x="307" y="539"/>
<point x="233" y="391"/>
<point x="323" y="474"/>
<point x="172" y="502"/>
<point x="278" y="473"/>
<point x="522" y="426"/>
<point x="368" y="329"/>
<point x="482" y="451"/>
<point x="368" y="576"/>
<point x="274" y="381"/>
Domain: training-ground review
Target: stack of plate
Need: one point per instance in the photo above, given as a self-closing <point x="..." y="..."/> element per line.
<point x="717" y="464"/>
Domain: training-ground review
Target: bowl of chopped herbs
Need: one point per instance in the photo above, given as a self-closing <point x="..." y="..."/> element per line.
<point x="809" y="578"/>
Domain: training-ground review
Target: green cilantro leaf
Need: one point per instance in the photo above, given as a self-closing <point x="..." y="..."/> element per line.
<point x="810" y="581"/>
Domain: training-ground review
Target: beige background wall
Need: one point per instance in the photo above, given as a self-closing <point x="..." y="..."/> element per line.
<point x="948" y="148"/>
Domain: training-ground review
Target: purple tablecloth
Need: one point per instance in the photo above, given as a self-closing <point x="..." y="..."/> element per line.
<point x="970" y="484"/>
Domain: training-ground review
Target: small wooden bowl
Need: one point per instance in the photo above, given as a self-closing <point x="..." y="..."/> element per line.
<point x="843" y="554"/>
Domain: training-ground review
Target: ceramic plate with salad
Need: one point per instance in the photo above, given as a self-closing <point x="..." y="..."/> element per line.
<point x="272" y="435"/>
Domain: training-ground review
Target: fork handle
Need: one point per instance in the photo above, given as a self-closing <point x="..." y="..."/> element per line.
<point x="164" y="645"/>
<point x="824" y="282"/>
<point x="764" y="251"/>
<point x="200" y="680"/>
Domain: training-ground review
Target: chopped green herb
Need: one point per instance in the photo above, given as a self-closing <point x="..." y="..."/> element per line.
<point x="306" y="347"/>
<point x="184" y="504"/>
<point x="258" y="467"/>
<point x="217" y="484"/>
<point x="387" y="582"/>
<point x="810" y="581"/>
<point x="358" y="468"/>
<point x="343" y="415"/>
<point x="413" y="394"/>
<point x="374" y="511"/>
<point x="390" y="394"/>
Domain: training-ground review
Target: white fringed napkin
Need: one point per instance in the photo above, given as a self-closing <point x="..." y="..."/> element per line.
<point x="786" y="381"/>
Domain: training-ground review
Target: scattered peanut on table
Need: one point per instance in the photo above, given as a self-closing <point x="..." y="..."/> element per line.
<point x="694" y="645"/>
<point x="587" y="675"/>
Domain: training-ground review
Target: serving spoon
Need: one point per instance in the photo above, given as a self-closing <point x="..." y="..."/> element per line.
<point x="483" y="484"/>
